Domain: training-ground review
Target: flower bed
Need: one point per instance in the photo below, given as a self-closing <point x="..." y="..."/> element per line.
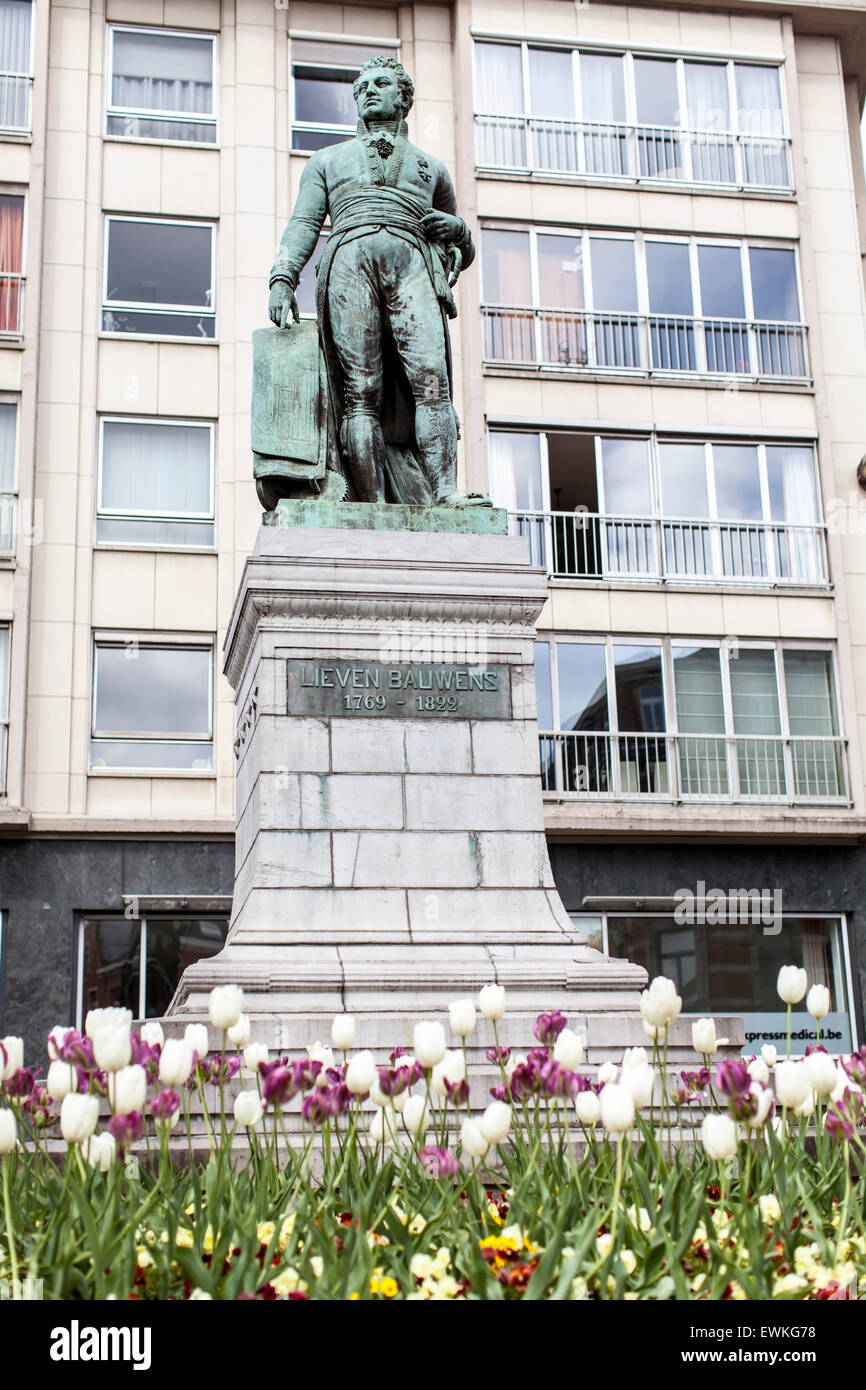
<point x="570" y="1184"/>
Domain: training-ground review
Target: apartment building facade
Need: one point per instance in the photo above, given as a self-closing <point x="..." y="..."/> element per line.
<point x="658" y="365"/>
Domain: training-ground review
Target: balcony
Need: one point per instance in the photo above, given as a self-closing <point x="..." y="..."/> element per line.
<point x="694" y="768"/>
<point x="15" y="90"/>
<point x="11" y="304"/>
<point x="639" y="153"/>
<point x="644" y="345"/>
<point x="590" y="545"/>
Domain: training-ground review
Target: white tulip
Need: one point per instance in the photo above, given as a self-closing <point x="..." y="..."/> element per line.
<point x="254" y="1055"/>
<point x="152" y="1034"/>
<point x="568" y="1049"/>
<point x="791" y="1083"/>
<point x="759" y="1071"/>
<point x="416" y="1116"/>
<point x="107" y="1018"/>
<point x="11" y="1056"/>
<point x="472" y="1139"/>
<point x="248" y="1108"/>
<point x="607" y="1073"/>
<point x="383" y="1126"/>
<point x="239" y="1033"/>
<point x="651" y="1031"/>
<point x="100" y="1151"/>
<point x="61" y="1079"/>
<point x="461" y="1016"/>
<point x="343" y="1032"/>
<point x="8" y="1132"/>
<point x="821" y="1073"/>
<point x="127" y="1089"/>
<point x="764" y="1098"/>
<point x="491" y="1001"/>
<point x="175" y="1062"/>
<point x="843" y="1084"/>
<point x="79" y="1116"/>
<point x="818" y="1001"/>
<point x="361" y="1073"/>
<point x="587" y="1108"/>
<point x="635" y="1057"/>
<point x="112" y="1048"/>
<point x="719" y="1136"/>
<point x="452" y="1068"/>
<point x="640" y="1084"/>
<point x="496" y="1121"/>
<point x="791" y="984"/>
<point x="704" y="1038"/>
<point x="769" y="1055"/>
<point x="617" y="1108"/>
<point x="430" y="1044"/>
<point x="197" y="1037"/>
<point x="318" y="1052"/>
<point x="225" y="1006"/>
<point x="660" y="1004"/>
<point x="806" y="1107"/>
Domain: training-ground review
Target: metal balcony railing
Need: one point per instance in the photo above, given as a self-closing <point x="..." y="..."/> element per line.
<point x="614" y="149"/>
<point x="694" y="767"/>
<point x="11" y="304"/>
<point x="593" y="545"/>
<point x="15" y="90"/>
<point x="597" y="340"/>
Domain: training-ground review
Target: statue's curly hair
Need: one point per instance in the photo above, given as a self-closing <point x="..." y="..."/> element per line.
<point x="407" y="88"/>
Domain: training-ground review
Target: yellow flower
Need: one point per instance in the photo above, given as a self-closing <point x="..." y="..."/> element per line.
<point x="789" y="1283"/>
<point x="354" y="1296"/>
<point x="184" y="1238"/>
<point x="288" y="1281"/>
<point x="493" y="1213"/>
<point x="144" y="1257"/>
<point x="769" y="1208"/>
<point x="640" y="1217"/>
<point x="417" y="1225"/>
<point x="421" y="1266"/>
<point x="389" y="1287"/>
<point x="286" y="1229"/>
<point x="264" y="1231"/>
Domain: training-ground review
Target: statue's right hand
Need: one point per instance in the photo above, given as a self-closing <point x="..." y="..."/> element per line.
<point x="283" y="305"/>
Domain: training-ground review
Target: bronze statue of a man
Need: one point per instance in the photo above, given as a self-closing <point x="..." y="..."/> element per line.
<point x="383" y="296"/>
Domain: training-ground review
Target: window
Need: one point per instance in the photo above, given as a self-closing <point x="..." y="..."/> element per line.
<point x="159" y="278"/>
<point x="11" y="261"/>
<point x="691" y="720"/>
<point x="137" y="963"/>
<point x="16" y="65"/>
<point x="5" y="633"/>
<point x="161" y="86"/>
<point x="152" y="706"/>
<point x="155" y="483"/>
<point x="646" y="304"/>
<point x="629" y="116"/>
<point x="625" y="507"/>
<point x="8" y="498"/>
<point x="724" y="955"/>
<point x="323" y="73"/>
<point x="306" y="291"/>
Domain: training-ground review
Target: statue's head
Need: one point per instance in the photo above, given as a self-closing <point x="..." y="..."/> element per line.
<point x="383" y="88"/>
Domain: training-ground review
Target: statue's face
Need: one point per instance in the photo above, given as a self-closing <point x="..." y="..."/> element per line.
<point x="378" y="94"/>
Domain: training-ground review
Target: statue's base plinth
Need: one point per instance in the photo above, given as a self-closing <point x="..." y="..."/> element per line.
<point x="390" y="843"/>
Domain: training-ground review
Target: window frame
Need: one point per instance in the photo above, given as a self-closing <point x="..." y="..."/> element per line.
<point x="24" y="132"/>
<point x="181" y="311"/>
<point x="5" y="712"/>
<point x="155" y="113"/>
<point x="130" y="513"/>
<point x="579" y="914"/>
<point x="160" y="641"/>
<point x="9" y="496"/>
<point x="83" y="918"/>
<point x="679" y="56"/>
<point x="17" y="190"/>
<point x="389" y="47"/>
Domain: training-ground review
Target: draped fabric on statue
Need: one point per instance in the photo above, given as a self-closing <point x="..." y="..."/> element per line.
<point x="11" y="228"/>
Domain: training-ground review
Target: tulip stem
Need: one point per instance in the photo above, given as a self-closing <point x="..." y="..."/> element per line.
<point x="10" y="1234"/>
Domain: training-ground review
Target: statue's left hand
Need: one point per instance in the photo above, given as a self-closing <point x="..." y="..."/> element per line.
<point x="442" y="226"/>
<point x="283" y="305"/>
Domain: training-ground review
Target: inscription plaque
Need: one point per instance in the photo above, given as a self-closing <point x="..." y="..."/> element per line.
<point x="397" y="690"/>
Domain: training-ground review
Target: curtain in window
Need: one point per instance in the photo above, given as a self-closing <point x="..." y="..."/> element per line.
<point x="759" y="103"/>
<point x="11" y="232"/>
<point x="757" y="723"/>
<point x="15" y="65"/>
<point x="817" y="958"/>
<point x="708" y="112"/>
<point x="700" y="721"/>
<point x="515" y="482"/>
<point x="603" y="101"/>
<point x="791" y="475"/>
<point x="162" y="72"/>
<point x="159" y="469"/>
<point x="499" y="100"/>
<point x="7" y="448"/>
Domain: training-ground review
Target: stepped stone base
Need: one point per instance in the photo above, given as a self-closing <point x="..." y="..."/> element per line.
<point x="390" y="851"/>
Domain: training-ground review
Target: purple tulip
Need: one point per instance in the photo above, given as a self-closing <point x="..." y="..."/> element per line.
<point x="549" y="1026"/>
<point x="498" y="1055"/>
<point x="126" y="1128"/>
<point x="278" y="1083"/>
<point x="733" y="1078"/>
<point x="164" y="1105"/>
<point x="439" y="1162"/>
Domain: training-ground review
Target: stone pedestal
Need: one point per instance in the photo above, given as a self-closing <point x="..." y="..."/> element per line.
<point x="390" y="843"/>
